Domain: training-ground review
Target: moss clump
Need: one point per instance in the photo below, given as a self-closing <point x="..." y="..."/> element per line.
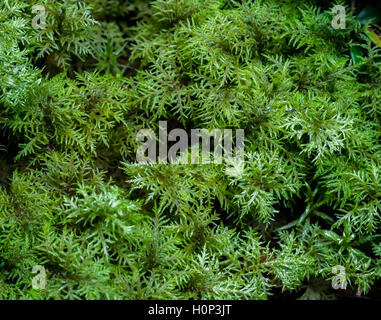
<point x="74" y="94"/>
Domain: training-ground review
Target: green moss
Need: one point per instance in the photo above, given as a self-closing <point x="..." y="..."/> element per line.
<point x="74" y="95"/>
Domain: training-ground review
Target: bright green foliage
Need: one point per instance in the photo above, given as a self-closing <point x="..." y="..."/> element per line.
<point x="73" y="199"/>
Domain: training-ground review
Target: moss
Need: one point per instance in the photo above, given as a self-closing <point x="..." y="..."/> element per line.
<point x="74" y="94"/>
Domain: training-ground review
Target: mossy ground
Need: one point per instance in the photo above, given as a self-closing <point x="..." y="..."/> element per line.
<point x="73" y="199"/>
